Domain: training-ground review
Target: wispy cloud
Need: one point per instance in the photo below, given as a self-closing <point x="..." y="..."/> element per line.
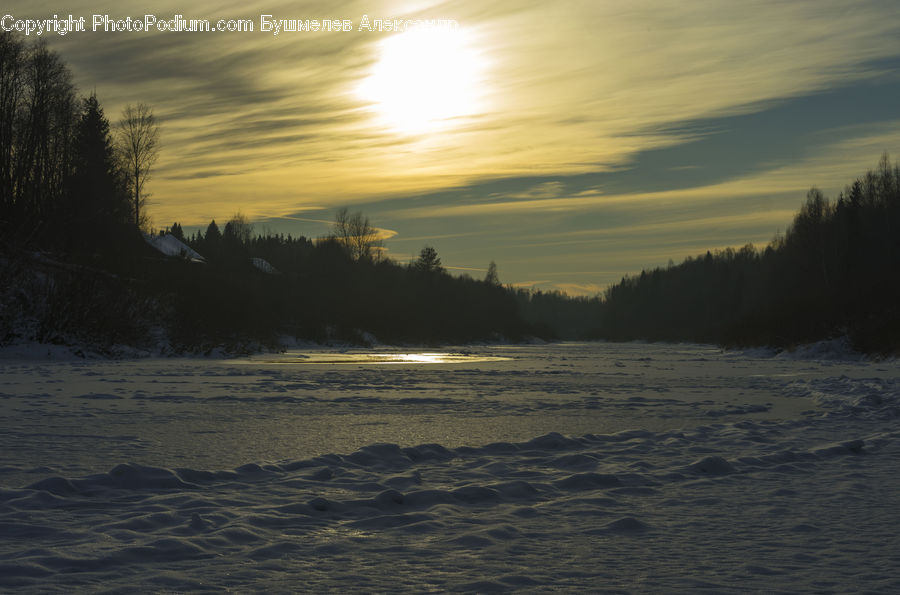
<point x="569" y="87"/>
<point x="649" y="115"/>
<point x="466" y="269"/>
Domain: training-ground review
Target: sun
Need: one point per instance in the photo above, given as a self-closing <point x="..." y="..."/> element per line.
<point x="424" y="81"/>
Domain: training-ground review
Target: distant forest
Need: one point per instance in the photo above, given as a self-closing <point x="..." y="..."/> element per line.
<point x="76" y="267"/>
<point x="835" y="272"/>
<point x="340" y="287"/>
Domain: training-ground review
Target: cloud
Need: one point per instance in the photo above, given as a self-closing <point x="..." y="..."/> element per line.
<point x="382" y="234"/>
<point x="580" y="289"/>
<point x="468" y="269"/>
<point x="647" y="116"/>
<point x="569" y="89"/>
<point x="435" y="237"/>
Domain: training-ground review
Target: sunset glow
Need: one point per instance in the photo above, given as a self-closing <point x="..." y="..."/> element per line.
<point x="532" y="134"/>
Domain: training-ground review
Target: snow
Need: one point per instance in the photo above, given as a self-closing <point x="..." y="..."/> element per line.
<point x="833" y="349"/>
<point x="172" y="246"/>
<point x="263" y="265"/>
<point x="538" y="468"/>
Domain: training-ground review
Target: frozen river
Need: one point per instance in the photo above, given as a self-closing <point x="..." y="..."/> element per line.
<point x="574" y="467"/>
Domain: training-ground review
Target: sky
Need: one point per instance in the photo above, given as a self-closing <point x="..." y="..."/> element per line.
<point x="570" y="142"/>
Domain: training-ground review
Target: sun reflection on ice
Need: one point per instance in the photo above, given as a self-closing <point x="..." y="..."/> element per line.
<point x="380" y="358"/>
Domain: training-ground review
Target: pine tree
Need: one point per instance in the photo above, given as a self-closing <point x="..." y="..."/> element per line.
<point x="98" y="199"/>
<point x="213" y="235"/>
<point x="492" y="278"/>
<point x="428" y="261"/>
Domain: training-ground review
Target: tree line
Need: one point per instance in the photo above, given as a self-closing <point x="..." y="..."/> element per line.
<point x="63" y="169"/>
<point x="833" y="273"/>
<point x="340" y="287"/>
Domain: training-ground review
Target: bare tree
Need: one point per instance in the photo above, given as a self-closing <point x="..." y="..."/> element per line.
<point x="238" y="229"/>
<point x="12" y="84"/>
<point x="357" y="235"/>
<point x="38" y="111"/>
<point x="138" y="137"/>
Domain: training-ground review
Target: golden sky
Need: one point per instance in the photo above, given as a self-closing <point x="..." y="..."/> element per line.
<point x="571" y="142"/>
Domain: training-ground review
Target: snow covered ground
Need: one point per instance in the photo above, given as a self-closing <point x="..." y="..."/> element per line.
<point x="574" y="467"/>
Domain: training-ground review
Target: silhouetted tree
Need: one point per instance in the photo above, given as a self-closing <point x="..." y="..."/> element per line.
<point x="138" y="136"/>
<point x="12" y="87"/>
<point x="428" y="261"/>
<point x="238" y="230"/>
<point x="213" y="235"/>
<point x="37" y="118"/>
<point x="98" y="196"/>
<point x="492" y="278"/>
<point x="357" y="235"/>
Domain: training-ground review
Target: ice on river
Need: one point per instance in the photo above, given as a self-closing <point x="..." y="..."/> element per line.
<point x="573" y="467"/>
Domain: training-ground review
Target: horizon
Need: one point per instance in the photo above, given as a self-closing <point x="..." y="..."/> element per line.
<point x="571" y="143"/>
